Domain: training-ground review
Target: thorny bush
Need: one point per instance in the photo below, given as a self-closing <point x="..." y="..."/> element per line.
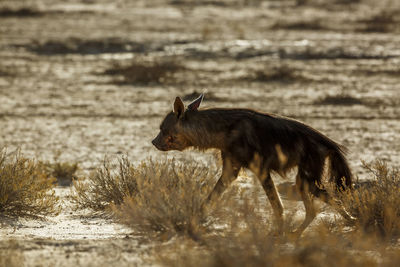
<point x="376" y="202"/>
<point x="25" y="188"/>
<point x="63" y="172"/>
<point x="106" y="186"/>
<point x="168" y="197"/>
<point x="247" y="239"/>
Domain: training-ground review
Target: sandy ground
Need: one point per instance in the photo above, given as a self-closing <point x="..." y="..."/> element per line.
<point x="324" y="64"/>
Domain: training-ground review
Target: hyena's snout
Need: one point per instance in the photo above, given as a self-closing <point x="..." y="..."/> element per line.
<point x="159" y="143"/>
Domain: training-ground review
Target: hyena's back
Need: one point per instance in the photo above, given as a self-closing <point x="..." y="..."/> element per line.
<point x="268" y="136"/>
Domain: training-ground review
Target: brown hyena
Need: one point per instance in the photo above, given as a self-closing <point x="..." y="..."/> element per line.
<point x="263" y="143"/>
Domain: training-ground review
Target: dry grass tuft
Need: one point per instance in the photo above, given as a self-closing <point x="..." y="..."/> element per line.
<point x="247" y="240"/>
<point x="347" y="2"/>
<point x="376" y="203"/>
<point x="145" y="73"/>
<point x="339" y="100"/>
<point x="281" y="73"/>
<point x="165" y="199"/>
<point x="250" y="248"/>
<point x="384" y="21"/>
<point x="3" y="72"/>
<point x="25" y="188"/>
<point x="246" y="250"/>
<point x="311" y="25"/>
<point x="168" y="198"/>
<point x="80" y="46"/>
<point x="200" y="3"/>
<point x="64" y="172"/>
<point x="320" y="53"/>
<point x="105" y="186"/>
<point x="20" y="12"/>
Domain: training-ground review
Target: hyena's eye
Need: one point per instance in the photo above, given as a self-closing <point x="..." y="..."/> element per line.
<point x="169" y="139"/>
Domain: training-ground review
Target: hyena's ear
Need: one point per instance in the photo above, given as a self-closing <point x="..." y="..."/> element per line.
<point x="179" y="108"/>
<point x="196" y="103"/>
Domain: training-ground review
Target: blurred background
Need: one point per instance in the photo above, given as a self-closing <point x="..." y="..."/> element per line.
<point x="86" y="78"/>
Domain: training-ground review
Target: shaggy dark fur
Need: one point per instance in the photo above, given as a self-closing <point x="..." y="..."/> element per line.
<point x="261" y="142"/>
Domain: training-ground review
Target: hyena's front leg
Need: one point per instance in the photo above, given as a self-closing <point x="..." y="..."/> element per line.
<point x="230" y="170"/>
<point x="264" y="176"/>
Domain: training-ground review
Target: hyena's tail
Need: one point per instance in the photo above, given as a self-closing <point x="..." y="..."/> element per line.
<point x="340" y="170"/>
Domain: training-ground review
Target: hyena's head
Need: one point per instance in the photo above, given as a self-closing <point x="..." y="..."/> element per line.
<point x="172" y="134"/>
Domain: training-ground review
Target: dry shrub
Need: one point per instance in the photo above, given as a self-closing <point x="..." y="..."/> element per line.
<point x="80" y="46"/>
<point x="200" y="3"/>
<point x="380" y="70"/>
<point x="63" y="172"/>
<point x="246" y="250"/>
<point x="9" y="71"/>
<point x="330" y="53"/>
<point x="384" y="21"/>
<point x="168" y="198"/>
<point x="376" y="203"/>
<point x="345" y="2"/>
<point x="106" y="186"/>
<point x="3" y="72"/>
<point x="241" y="234"/>
<point x="281" y="73"/>
<point x="302" y="2"/>
<point x="20" y="12"/>
<point x="10" y="256"/>
<point x="25" y="188"/>
<point x="240" y="250"/>
<point x="339" y="100"/>
<point x="247" y="240"/>
<point x="145" y="73"/>
<point x="310" y="25"/>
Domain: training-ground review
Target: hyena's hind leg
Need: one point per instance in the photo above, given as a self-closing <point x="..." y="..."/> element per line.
<point x="303" y="186"/>
<point x="273" y="197"/>
<point x="307" y="183"/>
<point x="307" y="180"/>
